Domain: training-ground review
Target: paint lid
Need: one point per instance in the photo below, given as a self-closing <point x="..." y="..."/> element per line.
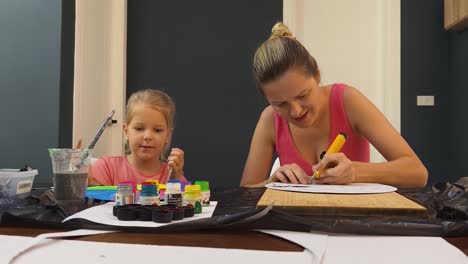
<point x="134" y="187"/>
<point x="148" y="189"/>
<point x="162" y="186"/>
<point x="173" y="181"/>
<point x="192" y="188"/>
<point x="173" y="187"/>
<point x="205" y="185"/>
<point x="183" y="184"/>
<point x="125" y="187"/>
<point x="155" y="182"/>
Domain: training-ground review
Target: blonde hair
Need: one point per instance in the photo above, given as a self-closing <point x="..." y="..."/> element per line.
<point x="157" y="100"/>
<point x="280" y="53"/>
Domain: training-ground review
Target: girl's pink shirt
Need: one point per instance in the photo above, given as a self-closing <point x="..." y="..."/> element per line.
<point x="115" y="169"/>
<point x="355" y="149"/>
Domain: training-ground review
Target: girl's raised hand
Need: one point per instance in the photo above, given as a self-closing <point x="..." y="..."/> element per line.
<point x="176" y="162"/>
<point x="290" y="173"/>
<point x="79" y="144"/>
<point x="336" y="169"/>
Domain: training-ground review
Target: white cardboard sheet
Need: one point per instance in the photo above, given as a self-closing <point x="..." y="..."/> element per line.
<point x="352" y="188"/>
<point x="102" y="214"/>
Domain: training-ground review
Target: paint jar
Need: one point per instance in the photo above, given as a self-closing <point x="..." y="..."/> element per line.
<point x="173" y="194"/>
<point x="182" y="187"/>
<point x="149" y="194"/>
<point x="162" y="192"/>
<point x="192" y="197"/>
<point x="124" y="194"/>
<point x="205" y="192"/>
<point x="138" y="193"/>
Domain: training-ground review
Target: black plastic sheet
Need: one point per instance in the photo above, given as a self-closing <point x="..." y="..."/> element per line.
<point x="236" y="209"/>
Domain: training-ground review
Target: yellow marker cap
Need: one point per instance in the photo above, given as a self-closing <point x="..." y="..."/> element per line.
<point x="335" y="147"/>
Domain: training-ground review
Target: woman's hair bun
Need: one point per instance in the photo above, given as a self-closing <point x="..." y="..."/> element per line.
<point x="281" y="30"/>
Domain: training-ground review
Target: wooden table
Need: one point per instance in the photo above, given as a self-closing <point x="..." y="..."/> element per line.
<point x="215" y="239"/>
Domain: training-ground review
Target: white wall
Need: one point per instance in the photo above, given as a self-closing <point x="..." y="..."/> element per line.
<point x="100" y="72"/>
<point x="354" y="42"/>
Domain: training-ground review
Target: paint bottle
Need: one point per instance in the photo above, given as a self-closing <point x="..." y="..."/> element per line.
<point x="149" y="194"/>
<point x="192" y="197"/>
<point x="182" y="187"/>
<point x="124" y="194"/>
<point x="173" y="194"/>
<point x="138" y="193"/>
<point x="205" y="192"/>
<point x="162" y="192"/>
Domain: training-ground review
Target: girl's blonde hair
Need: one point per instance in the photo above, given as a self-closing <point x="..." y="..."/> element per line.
<point x="280" y="53"/>
<point x="157" y="100"/>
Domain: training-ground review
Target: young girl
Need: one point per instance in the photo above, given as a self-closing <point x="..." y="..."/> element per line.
<point x="303" y="118"/>
<point x="148" y="130"/>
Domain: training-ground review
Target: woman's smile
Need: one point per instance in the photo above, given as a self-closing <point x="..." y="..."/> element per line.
<point x="301" y="118"/>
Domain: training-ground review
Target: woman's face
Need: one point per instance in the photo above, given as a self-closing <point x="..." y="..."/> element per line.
<point x="295" y="97"/>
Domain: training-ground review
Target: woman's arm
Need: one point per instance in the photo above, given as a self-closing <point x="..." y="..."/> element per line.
<point x="260" y="158"/>
<point x="403" y="168"/>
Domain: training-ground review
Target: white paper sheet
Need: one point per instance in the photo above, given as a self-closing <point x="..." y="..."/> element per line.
<point x="36" y="241"/>
<point x="315" y="243"/>
<point x="83" y="252"/>
<point x="392" y="249"/>
<point x="355" y="188"/>
<point x="102" y="214"/>
<point x="378" y="249"/>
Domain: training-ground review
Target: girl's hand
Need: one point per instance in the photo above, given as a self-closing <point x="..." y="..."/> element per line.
<point x="336" y="169"/>
<point x="176" y="162"/>
<point x="290" y="173"/>
<point x="79" y="144"/>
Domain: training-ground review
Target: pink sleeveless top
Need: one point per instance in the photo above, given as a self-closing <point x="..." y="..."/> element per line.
<point x="115" y="169"/>
<point x="355" y="149"/>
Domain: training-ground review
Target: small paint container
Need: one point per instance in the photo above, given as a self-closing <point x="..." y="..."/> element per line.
<point x="189" y="211"/>
<point x="193" y="197"/>
<point x="177" y="213"/>
<point x="144" y="214"/>
<point x="173" y="194"/>
<point x="205" y="192"/>
<point x="115" y="209"/>
<point x="161" y="216"/>
<point x="126" y="214"/>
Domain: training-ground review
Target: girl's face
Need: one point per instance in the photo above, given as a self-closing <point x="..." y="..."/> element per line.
<point x="295" y="97"/>
<point x="147" y="133"/>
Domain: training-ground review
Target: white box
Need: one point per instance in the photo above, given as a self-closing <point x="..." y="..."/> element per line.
<point x="15" y="184"/>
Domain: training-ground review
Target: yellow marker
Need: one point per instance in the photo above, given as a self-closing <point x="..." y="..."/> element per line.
<point x="335" y="147"/>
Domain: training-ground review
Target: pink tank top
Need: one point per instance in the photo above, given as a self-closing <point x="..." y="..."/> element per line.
<point x="356" y="147"/>
<point x="115" y="169"/>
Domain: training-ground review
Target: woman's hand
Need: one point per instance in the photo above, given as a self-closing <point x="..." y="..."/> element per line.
<point x="336" y="169"/>
<point x="176" y="163"/>
<point x="290" y="173"/>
